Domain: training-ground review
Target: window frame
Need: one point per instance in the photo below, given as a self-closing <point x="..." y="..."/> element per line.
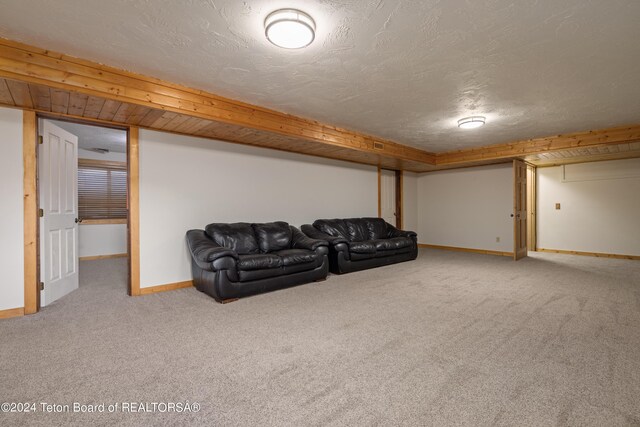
<point x="105" y="165"/>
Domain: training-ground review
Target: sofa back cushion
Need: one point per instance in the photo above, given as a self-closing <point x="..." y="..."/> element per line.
<point x="332" y="227"/>
<point x="377" y="228"/>
<point x="273" y="236"/>
<point x="238" y="237"/>
<point x="358" y="230"/>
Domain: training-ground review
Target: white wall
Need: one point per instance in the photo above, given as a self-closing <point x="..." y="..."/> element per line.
<point x="188" y="182"/>
<point x="599" y="207"/>
<point x="102" y="239"/>
<point x="467" y="208"/>
<point x="410" y="201"/>
<point x="11" y="226"/>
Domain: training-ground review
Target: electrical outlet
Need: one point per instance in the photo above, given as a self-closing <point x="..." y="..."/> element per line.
<point x="497" y="239"/>
<point x="557" y="206"/>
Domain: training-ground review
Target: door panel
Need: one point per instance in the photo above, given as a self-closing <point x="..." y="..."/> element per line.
<point x="519" y="209"/>
<point x="531" y="208"/>
<point x="58" y="170"/>
<point x="388" y="196"/>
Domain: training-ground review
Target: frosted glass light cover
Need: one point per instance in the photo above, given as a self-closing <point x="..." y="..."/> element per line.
<point x="471" y="122"/>
<point x="290" y="28"/>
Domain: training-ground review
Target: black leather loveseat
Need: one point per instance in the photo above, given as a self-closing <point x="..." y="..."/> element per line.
<point x="361" y="243"/>
<point x="230" y="261"/>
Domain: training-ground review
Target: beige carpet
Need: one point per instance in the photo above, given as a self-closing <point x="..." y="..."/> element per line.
<point x="449" y="339"/>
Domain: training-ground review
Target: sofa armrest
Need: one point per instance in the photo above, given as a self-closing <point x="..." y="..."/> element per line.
<point x="314" y="233"/>
<point x="205" y="251"/>
<point x="394" y="232"/>
<point x="299" y="240"/>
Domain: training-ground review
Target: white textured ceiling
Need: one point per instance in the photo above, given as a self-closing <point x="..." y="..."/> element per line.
<point x="402" y="70"/>
<point x="92" y="137"/>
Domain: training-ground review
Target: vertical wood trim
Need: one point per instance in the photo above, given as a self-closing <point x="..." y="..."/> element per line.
<point x="399" y="199"/>
<point x="30" y="211"/>
<point x="379" y="192"/>
<point x="134" y="212"/>
<point x="519" y="209"/>
<point x="532" y="231"/>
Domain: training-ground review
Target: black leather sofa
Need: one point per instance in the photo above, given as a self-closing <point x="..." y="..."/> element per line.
<point x="231" y="261"/>
<point x="361" y="243"/>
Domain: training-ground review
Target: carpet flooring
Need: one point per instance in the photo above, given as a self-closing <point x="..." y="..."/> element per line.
<point x="448" y="339"/>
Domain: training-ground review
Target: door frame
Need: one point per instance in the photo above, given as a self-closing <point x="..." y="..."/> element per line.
<point x="399" y="196"/>
<point x="519" y="201"/>
<point x="31" y="204"/>
<point x="532" y="207"/>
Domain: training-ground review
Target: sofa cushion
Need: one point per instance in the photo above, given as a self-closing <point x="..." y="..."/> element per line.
<point x="358" y="257"/>
<point x="238" y="237"/>
<point x="297" y="256"/>
<point x="251" y="275"/>
<point x="377" y="228"/>
<point x="273" y="236"/>
<point x="358" y="230"/>
<point x="362" y="247"/>
<point x="258" y="262"/>
<point x="332" y="227"/>
<point x="392" y="244"/>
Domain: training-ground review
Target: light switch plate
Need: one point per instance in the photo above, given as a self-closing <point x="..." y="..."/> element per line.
<point x="557" y="206"/>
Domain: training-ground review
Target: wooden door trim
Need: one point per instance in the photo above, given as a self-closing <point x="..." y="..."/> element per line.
<point x="379" y="192"/>
<point x="30" y="212"/>
<point x="517" y="220"/>
<point x="532" y="196"/>
<point x="31" y="220"/>
<point x="133" y="195"/>
<point x="399" y="195"/>
<point x="399" y="199"/>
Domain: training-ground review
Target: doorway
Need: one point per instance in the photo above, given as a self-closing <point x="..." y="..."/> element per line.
<point x="82" y="188"/>
<point x="390" y="196"/>
<point x="532" y="244"/>
<point x="519" y="214"/>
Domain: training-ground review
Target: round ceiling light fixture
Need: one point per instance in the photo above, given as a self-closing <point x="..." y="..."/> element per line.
<point x="471" y="122"/>
<point x="290" y="28"/>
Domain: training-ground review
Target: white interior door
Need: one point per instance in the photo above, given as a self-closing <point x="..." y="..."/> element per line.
<point x="58" y="175"/>
<point x="388" y="196"/>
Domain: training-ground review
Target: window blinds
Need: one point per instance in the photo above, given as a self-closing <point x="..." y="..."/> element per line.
<point x="102" y="189"/>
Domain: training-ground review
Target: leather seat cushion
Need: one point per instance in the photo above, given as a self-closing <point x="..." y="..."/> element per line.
<point x="248" y="276"/>
<point x="358" y="257"/>
<point x="238" y="237"/>
<point x="273" y="236"/>
<point x="367" y="247"/>
<point x="297" y="256"/>
<point x="393" y="243"/>
<point x="252" y="262"/>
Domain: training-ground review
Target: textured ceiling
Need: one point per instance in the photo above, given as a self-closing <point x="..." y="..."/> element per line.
<point x="91" y="137"/>
<point x="402" y="70"/>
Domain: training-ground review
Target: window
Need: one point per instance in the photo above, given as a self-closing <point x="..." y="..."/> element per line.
<point x="102" y="189"/>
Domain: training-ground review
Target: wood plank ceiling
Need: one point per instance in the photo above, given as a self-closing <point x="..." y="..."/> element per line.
<point x="59" y="86"/>
<point x="63" y="103"/>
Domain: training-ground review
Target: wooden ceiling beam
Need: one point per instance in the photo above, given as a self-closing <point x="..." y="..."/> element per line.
<point x="20" y="62"/>
<point x="52" y="82"/>
<point x="522" y="149"/>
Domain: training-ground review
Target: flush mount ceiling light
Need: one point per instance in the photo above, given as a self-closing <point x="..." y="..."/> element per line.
<point x="471" y="122"/>
<point x="290" y="28"/>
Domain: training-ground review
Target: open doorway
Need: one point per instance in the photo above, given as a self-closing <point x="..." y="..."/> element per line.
<point x="82" y="181"/>
<point x="531" y="208"/>
<point x="390" y="196"/>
